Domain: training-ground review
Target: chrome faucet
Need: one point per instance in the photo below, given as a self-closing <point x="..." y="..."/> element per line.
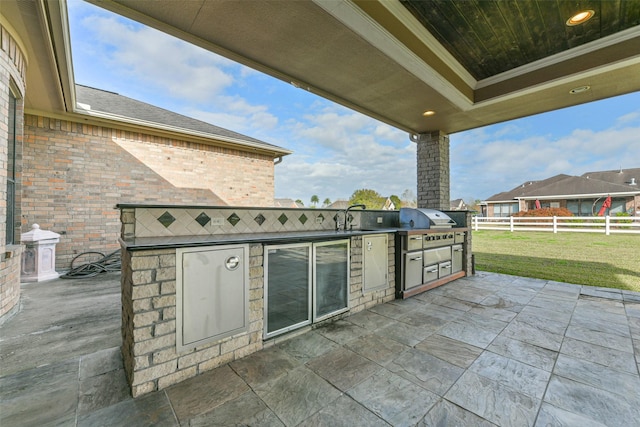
<point x="347" y="221"/>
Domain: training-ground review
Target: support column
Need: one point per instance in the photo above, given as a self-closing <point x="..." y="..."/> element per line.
<point x="433" y="170"/>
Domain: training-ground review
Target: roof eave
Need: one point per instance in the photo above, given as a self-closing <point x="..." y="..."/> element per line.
<point x="115" y="120"/>
<point x="55" y="28"/>
<point x="580" y="196"/>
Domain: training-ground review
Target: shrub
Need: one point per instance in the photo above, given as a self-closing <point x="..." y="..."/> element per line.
<point x="545" y="212"/>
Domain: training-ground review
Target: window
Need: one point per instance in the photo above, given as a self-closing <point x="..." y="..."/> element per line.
<point x="574" y="207"/>
<point x="11" y="171"/>
<point x="505" y="209"/>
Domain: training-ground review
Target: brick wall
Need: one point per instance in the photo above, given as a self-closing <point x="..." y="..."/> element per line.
<point x="10" y="282"/>
<point x="12" y="78"/>
<point x="75" y="174"/>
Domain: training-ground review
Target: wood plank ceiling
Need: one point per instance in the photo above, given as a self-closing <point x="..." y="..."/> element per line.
<point x="490" y="37"/>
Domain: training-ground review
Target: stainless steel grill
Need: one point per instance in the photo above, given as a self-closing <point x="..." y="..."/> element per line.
<point x="424" y="218"/>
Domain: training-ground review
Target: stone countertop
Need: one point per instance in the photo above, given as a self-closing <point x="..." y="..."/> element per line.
<point x="168" y="242"/>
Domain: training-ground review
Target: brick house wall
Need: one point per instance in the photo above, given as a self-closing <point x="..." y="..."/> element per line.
<point x="12" y="79"/>
<point x="75" y="174"/>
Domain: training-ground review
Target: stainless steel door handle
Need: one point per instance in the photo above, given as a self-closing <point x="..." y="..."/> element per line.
<point x="232" y="263"/>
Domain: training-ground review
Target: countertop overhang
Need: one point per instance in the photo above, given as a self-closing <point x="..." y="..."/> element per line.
<point x="169" y="242"/>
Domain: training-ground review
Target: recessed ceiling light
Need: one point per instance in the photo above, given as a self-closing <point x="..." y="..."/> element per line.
<point x="428" y="113"/>
<point x="580" y="17"/>
<point x="579" y="89"/>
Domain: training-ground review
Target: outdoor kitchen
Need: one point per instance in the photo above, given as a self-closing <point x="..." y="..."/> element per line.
<point x="204" y="286"/>
<point x="431" y="250"/>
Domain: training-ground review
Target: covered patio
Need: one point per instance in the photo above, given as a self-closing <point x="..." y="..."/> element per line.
<point x="484" y="350"/>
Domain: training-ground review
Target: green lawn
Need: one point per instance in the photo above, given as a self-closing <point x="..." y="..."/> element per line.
<point x="582" y="258"/>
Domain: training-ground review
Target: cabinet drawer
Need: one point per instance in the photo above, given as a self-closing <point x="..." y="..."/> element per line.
<point x="414" y="242"/>
<point x="430" y="273"/>
<point x="444" y="269"/>
<point x="434" y="256"/>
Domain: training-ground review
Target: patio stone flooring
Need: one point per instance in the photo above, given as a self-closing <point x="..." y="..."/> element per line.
<point x="481" y="351"/>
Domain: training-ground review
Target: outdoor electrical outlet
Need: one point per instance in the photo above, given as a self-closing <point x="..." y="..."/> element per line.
<point x="379" y="220"/>
<point x="318" y="220"/>
<point x="217" y="221"/>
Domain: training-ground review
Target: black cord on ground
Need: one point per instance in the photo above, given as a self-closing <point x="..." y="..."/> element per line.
<point x="107" y="263"/>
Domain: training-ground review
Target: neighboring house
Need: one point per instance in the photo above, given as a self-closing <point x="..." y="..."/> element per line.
<point x="582" y="195"/>
<point x="388" y="205"/>
<point x="458" y="205"/>
<point x="287" y="203"/>
<point x="339" y="204"/>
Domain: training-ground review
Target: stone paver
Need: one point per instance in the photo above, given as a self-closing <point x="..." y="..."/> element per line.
<point x="488" y="350"/>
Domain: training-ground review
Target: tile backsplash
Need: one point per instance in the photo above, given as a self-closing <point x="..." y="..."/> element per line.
<point x="154" y="221"/>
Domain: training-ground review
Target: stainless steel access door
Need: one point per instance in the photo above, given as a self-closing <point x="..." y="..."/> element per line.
<point x="375" y="260"/>
<point x="212" y="294"/>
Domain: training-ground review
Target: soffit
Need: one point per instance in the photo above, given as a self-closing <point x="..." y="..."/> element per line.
<point x="30" y="21"/>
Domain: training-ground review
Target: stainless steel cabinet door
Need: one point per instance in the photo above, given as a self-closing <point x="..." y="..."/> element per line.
<point x="412" y="269"/>
<point x="458" y="252"/>
<point x="375" y="262"/>
<point x="212" y="294"/>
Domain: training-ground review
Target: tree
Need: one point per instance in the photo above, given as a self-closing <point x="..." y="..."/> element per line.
<point x="298" y="201"/>
<point x="314" y="200"/>
<point x="368" y="197"/>
<point x="326" y="202"/>
<point x="396" y="201"/>
<point x="474" y="205"/>
<point x="408" y="198"/>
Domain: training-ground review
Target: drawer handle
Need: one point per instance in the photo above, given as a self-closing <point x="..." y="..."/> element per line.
<point x="431" y="270"/>
<point x="416" y="259"/>
<point x="415" y="238"/>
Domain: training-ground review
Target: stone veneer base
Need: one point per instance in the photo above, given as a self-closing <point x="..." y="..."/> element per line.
<point x="149" y="317"/>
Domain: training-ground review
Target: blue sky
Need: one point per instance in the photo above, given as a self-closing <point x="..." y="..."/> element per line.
<point x="336" y="150"/>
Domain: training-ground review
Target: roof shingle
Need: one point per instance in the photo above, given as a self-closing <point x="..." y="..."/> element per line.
<point x="114" y="104"/>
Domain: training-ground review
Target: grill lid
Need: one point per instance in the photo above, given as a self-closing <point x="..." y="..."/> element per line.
<point x="424" y="218"/>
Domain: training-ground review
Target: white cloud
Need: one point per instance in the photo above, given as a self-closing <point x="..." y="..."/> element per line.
<point x="338" y="151"/>
<point x="143" y="54"/>
<point x="633" y="117"/>
<point x="237" y="114"/>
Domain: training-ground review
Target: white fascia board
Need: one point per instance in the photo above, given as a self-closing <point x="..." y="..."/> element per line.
<point x="580" y="196"/>
<point x="493" y="202"/>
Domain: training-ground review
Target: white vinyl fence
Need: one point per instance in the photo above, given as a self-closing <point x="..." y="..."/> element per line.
<point x="584" y="224"/>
